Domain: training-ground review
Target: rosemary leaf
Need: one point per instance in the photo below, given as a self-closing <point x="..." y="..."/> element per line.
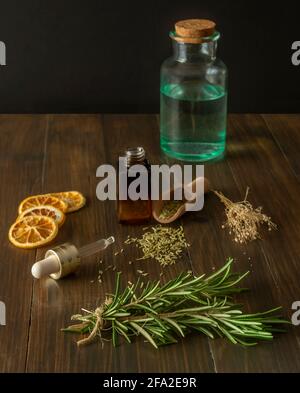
<point x="185" y="304"/>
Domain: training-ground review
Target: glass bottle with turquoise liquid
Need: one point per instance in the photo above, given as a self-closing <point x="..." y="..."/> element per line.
<point x="193" y="103"/>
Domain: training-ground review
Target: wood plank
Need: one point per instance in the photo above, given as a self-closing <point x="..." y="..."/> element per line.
<point x="210" y="246"/>
<point x="21" y="160"/>
<point x="74" y="147"/>
<point x="260" y="155"/>
<point x="141" y="130"/>
<point x="91" y="145"/>
<point x="256" y="161"/>
<point x="286" y="130"/>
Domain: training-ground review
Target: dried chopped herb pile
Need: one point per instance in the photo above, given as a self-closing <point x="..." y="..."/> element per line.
<point x="163" y="243"/>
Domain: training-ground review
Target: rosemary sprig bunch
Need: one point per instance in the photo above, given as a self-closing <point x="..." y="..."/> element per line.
<point x="161" y="313"/>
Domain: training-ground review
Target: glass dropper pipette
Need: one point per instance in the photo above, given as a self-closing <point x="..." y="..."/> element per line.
<point x="65" y="259"/>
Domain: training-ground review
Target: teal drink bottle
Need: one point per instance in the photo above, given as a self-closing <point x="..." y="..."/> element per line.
<point x="193" y="94"/>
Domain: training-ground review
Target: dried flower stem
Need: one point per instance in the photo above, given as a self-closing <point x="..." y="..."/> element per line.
<point x="243" y="220"/>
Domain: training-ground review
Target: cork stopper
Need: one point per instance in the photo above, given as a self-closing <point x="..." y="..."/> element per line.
<point x="193" y="31"/>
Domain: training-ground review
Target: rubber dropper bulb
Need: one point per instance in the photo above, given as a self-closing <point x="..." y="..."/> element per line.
<point x="45" y="267"/>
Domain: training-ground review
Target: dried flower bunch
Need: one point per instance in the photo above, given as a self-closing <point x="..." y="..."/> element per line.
<point x="164" y="244"/>
<point x="243" y="220"/>
<point x="163" y="312"/>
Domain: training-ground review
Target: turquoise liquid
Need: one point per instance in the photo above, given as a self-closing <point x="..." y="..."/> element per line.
<point x="193" y="121"/>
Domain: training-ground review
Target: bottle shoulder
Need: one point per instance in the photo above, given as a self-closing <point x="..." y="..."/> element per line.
<point x="175" y="72"/>
<point x="218" y="63"/>
<point x="171" y="63"/>
<point x="214" y="72"/>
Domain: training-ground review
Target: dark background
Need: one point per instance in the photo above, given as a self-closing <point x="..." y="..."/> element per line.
<point x="104" y="56"/>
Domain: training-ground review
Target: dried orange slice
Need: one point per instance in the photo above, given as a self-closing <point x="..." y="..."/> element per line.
<point x="41" y="200"/>
<point x="33" y="231"/>
<point x="45" y="210"/>
<point x="74" y="199"/>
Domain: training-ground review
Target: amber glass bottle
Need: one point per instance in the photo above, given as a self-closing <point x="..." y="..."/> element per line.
<point x="139" y="211"/>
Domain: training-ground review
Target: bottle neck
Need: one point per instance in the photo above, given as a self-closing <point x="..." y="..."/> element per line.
<point x="184" y="52"/>
<point x="135" y="155"/>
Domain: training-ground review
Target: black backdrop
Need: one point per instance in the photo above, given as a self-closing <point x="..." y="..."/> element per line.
<point x="104" y="56"/>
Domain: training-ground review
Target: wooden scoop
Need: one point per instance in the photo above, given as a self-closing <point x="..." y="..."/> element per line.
<point x="180" y="207"/>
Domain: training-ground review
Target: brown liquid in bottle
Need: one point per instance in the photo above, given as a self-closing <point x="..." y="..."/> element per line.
<point x="140" y="211"/>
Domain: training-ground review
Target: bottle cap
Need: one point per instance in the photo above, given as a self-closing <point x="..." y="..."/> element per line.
<point x="135" y="155"/>
<point x="193" y="30"/>
<point x="69" y="259"/>
<point x="58" y="262"/>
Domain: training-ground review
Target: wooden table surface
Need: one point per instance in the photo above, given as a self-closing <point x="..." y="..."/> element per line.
<point x="48" y="153"/>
